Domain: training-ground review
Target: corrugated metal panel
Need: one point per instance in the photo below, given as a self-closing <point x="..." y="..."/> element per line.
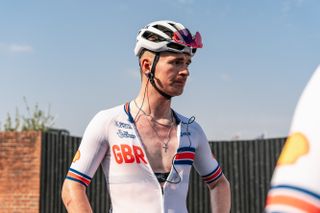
<point x="248" y="165"/>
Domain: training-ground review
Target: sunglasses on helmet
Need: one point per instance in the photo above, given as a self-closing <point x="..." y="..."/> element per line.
<point x="187" y="39"/>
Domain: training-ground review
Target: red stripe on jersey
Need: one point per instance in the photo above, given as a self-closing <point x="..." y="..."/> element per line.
<point x="293" y="202"/>
<point x="78" y="177"/>
<point x="213" y="176"/>
<point x="185" y="155"/>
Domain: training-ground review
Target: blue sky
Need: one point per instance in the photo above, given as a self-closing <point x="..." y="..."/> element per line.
<point x="78" y="57"/>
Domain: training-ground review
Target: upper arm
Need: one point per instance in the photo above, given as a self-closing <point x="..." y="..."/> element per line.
<point x="205" y="162"/>
<point x="91" y="152"/>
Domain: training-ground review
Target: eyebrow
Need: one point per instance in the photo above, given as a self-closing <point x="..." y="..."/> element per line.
<point x="182" y="59"/>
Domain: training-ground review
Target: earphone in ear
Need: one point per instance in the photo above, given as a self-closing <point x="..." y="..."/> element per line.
<point x="149" y="75"/>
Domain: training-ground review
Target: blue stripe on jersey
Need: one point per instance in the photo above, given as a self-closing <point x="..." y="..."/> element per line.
<point x="127" y="111"/>
<point x="216" y="178"/>
<point x="79" y="181"/>
<point x="211" y="173"/>
<point x="186" y="149"/>
<point x="183" y="162"/>
<point x="79" y="173"/>
<point x="317" y="196"/>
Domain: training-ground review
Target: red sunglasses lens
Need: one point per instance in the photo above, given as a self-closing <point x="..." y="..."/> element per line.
<point x="198" y="40"/>
<point x="188" y="39"/>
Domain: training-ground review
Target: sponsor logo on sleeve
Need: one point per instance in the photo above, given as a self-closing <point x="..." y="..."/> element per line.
<point x="295" y="147"/>
<point x="76" y="157"/>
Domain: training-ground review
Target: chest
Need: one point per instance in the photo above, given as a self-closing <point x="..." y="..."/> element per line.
<point x="135" y="153"/>
<point x="160" y="144"/>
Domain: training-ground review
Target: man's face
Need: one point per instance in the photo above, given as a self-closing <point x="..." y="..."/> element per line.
<point x="172" y="72"/>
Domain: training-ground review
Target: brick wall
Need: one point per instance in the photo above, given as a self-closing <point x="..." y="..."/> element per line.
<point x="20" y="155"/>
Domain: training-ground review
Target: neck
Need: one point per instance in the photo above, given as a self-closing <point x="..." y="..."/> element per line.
<point x="152" y="103"/>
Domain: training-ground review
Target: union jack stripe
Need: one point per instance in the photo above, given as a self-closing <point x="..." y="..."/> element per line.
<point x="296" y="199"/>
<point x="213" y="176"/>
<point x="78" y="177"/>
<point x="185" y="156"/>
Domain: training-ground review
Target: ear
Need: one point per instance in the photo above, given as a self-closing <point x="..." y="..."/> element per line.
<point x="146" y="65"/>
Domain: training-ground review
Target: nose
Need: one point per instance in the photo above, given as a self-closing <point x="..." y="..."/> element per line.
<point x="185" y="71"/>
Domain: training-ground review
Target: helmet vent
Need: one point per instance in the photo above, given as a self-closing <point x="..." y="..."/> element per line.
<point x="175" y="46"/>
<point x="164" y="30"/>
<point x="152" y="36"/>
<point x="175" y="26"/>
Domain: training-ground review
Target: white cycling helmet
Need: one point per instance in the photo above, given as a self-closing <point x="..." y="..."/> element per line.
<point x="161" y="36"/>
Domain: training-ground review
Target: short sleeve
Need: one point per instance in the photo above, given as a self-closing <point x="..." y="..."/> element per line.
<point x="205" y="163"/>
<point x="91" y="151"/>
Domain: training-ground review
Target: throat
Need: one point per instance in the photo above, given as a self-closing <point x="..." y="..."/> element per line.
<point x="160" y="117"/>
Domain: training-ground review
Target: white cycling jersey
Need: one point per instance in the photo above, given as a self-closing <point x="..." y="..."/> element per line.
<point x="111" y="140"/>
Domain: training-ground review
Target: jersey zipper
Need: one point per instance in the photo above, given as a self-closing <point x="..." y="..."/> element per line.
<point x="149" y="166"/>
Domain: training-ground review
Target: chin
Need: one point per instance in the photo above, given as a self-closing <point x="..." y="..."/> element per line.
<point x="177" y="93"/>
<point x="176" y="90"/>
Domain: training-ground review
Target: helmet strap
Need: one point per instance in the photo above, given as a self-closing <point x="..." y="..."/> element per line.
<point x="152" y="74"/>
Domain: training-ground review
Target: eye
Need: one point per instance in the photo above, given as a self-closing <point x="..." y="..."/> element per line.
<point x="178" y="62"/>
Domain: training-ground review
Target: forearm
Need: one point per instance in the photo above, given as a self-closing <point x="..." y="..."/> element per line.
<point x="75" y="198"/>
<point x="220" y="196"/>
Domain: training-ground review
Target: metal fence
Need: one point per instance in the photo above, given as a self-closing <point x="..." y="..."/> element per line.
<point x="248" y="165"/>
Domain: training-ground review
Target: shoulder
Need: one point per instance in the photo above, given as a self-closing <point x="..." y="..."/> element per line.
<point x="188" y="121"/>
<point x="99" y="126"/>
<point x="110" y="112"/>
<point x="104" y="117"/>
<point x="190" y="127"/>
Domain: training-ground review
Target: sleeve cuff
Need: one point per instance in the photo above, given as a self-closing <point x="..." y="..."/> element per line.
<point x="78" y="177"/>
<point x="213" y="176"/>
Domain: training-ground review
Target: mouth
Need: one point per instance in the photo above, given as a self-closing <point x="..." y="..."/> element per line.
<point x="180" y="82"/>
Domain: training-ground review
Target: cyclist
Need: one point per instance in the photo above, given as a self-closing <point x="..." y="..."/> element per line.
<point x="146" y="149"/>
